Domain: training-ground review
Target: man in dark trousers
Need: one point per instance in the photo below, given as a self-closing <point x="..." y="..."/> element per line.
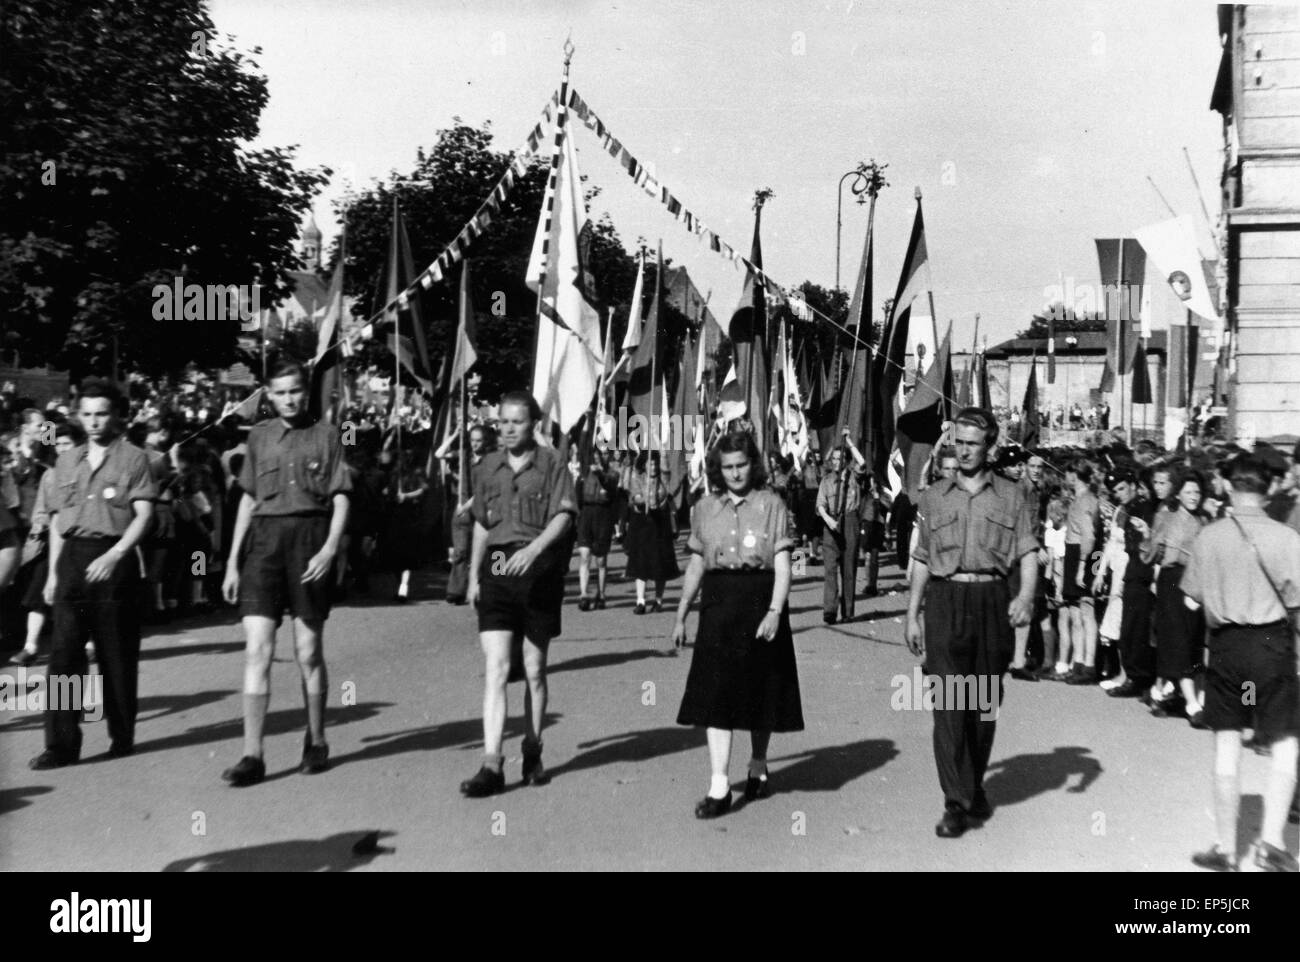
<point x="1135" y="651"/>
<point x="838" y="500"/>
<point x="291" y="519"/>
<point x="1244" y="571"/>
<point x="102" y="501"/>
<point x="972" y="532"/>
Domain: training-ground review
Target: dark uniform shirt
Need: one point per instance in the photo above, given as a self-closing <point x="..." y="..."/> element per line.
<point x="988" y="531"/>
<point x="599" y="487"/>
<point x="749" y="532"/>
<point x="97" y="503"/>
<point x="294" y="470"/>
<point x="840" y="485"/>
<point x="1224" y="576"/>
<point x="516" y="508"/>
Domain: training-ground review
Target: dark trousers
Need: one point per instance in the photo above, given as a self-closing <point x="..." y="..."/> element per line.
<point x="462" y="533"/>
<point x="1135" y="651"/>
<point x="904" y="516"/>
<point x="968" y="636"/>
<point x="840" y="556"/>
<point x="109" y="614"/>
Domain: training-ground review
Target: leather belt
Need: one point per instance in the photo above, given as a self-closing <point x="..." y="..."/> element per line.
<point x="969" y="576"/>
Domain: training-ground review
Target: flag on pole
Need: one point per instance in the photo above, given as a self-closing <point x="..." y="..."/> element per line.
<point x="645" y="387"/>
<point x="889" y="361"/>
<point x="401" y="273"/>
<point x="632" y="337"/>
<point x="748" y="330"/>
<point x="1171" y="245"/>
<point x="1029" y="409"/>
<point x="853" y="406"/>
<point x="465" y="356"/>
<point x="566" y="371"/>
<point x="920" y="425"/>
<point x="326" y="371"/>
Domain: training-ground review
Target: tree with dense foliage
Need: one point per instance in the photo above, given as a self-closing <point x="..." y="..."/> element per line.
<point x="124" y="164"/>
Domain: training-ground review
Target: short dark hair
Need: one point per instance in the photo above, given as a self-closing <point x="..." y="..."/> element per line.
<point x="981" y="418"/>
<point x="66" y="429"/>
<point x="1249" y="474"/>
<point x="102" y="387"/>
<point x="735" y="442"/>
<point x="288" y="367"/>
<point x="1081" y="468"/>
<point x="1195" y="477"/>
<point x="525" y="400"/>
<point x="489" y="435"/>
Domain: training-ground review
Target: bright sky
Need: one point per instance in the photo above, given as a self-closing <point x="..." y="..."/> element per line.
<point x="1031" y="127"/>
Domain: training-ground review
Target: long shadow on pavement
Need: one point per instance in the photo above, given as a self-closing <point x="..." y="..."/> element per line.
<point x="148" y="709"/>
<point x="831" y="768"/>
<point x="1021" y="777"/>
<point x="277" y="723"/>
<point x="466" y="734"/>
<point x="607" y="659"/>
<point x="332" y="854"/>
<point x="12" y="799"/>
<point x="638" y="746"/>
<point x="204" y="648"/>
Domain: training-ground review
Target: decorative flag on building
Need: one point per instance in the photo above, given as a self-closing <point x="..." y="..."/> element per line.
<point x="1171" y="245"/>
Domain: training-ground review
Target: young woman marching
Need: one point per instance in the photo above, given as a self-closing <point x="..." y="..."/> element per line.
<point x="743" y="673"/>
<point x="651" y="555"/>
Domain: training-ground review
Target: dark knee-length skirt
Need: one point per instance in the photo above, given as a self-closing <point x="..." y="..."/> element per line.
<point x="1179" y="631"/>
<point x="650" y="547"/>
<point x="739" y="681"/>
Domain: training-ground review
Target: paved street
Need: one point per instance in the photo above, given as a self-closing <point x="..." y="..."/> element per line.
<point x="1079" y="782"/>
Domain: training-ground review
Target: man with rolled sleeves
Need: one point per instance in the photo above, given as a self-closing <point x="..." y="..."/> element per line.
<point x="102" y="501"/>
<point x="1244" y="571"/>
<point x="973" y="530"/>
<point x="291" y="518"/>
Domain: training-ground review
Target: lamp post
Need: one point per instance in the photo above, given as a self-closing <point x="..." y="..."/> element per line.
<point x="863" y="175"/>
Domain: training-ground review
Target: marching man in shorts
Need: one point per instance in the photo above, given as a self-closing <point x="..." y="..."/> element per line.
<point x="291" y="518"/>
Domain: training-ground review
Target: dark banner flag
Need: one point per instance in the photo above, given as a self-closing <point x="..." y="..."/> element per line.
<point x="888" y="364"/>
<point x="748" y="330"/>
<point x="1141" y="375"/>
<point x="1029" y="409"/>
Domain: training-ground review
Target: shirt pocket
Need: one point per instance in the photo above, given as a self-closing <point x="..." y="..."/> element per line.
<point x="314" y="481"/>
<point x="269" y="481"/>
<point x="945" y="543"/>
<point x="532" y="509"/>
<point x="492" y="508"/>
<point x="1001" y="537"/>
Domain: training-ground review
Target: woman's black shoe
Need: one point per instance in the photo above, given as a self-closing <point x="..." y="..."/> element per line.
<point x="1216" y="860"/>
<point x="247" y="771"/>
<point x="756" y="788"/>
<point x="1023" y="674"/>
<point x="599" y="603"/>
<point x="315" y="758"/>
<point x="486" y="782"/>
<point x="657" y="605"/>
<point x="709" y="807"/>
<point x="584" y="603"/>
<point x="639" y="609"/>
<point x="534" y="773"/>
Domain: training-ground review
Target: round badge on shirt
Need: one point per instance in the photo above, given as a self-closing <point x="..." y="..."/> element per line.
<point x="750" y="540"/>
<point x="110" y="492"/>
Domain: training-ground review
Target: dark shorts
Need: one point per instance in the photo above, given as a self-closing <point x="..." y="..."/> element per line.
<point x="527" y="605"/>
<point x="1070" y="590"/>
<point x="274" y="556"/>
<point x="596" y="528"/>
<point x="1251" y="681"/>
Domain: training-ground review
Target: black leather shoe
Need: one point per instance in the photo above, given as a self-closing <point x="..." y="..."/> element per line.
<point x="247" y="771"/>
<point x="656" y="606"/>
<point x="953" y="824"/>
<point x="315" y="758"/>
<point x="1127" y="690"/>
<point x="121" y="750"/>
<point x="709" y="807"/>
<point x="534" y="772"/>
<point x="599" y="603"/>
<point x="584" y="604"/>
<point x="829" y="618"/>
<point x="1215" y="859"/>
<point x="981" y="809"/>
<point x="486" y="782"/>
<point x="51" y="759"/>
<point x="1023" y="674"/>
<point x="1084" y="676"/>
<point x="1271" y="859"/>
<point x="639" y="609"/>
<point x="1197" y="720"/>
<point x="756" y="788"/>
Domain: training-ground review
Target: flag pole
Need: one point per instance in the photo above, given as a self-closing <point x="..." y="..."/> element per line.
<point x="561" y="115"/>
<point x="875" y="181"/>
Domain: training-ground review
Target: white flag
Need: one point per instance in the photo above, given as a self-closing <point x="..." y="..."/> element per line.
<point x="632" y="339"/>
<point x="566" y="371"/>
<point x="1171" y="245"/>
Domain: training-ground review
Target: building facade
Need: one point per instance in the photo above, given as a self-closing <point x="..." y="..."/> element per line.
<point x="1257" y="92"/>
